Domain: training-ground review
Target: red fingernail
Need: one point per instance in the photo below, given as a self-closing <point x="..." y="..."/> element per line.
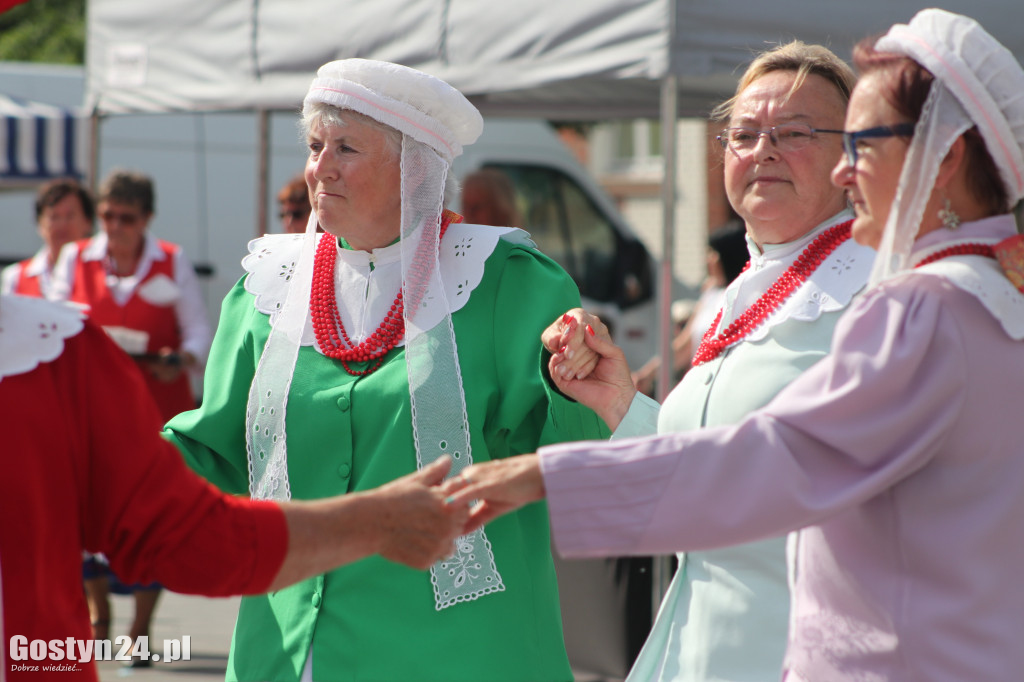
<point x="562" y="349"/>
<point x="590" y="330"/>
<point x="566" y="318"/>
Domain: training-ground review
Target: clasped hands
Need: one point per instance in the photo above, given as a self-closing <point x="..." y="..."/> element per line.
<point x="584" y="365"/>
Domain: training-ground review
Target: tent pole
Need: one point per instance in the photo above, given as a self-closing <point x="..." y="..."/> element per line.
<point x="93" y="169"/>
<point x="262" y="170"/>
<point x="661" y="566"/>
<point x="669" y="114"/>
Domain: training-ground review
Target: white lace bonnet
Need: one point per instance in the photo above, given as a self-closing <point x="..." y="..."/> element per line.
<point x="977" y="82"/>
<point x="410" y="101"/>
<point x="435" y="120"/>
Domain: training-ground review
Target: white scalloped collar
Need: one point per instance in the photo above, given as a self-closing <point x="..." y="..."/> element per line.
<point x="830" y="287"/>
<point x="979" y="276"/>
<point x="366" y="282"/>
<point x="32" y="331"/>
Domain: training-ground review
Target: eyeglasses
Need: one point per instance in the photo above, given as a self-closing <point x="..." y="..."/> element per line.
<point x="294" y="215"/>
<point x="850" y="139"/>
<point x="788" y="137"/>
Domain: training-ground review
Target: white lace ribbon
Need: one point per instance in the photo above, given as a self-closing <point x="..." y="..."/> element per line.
<point x="942" y="120"/>
<point x="265" y="436"/>
<point x="439" y="420"/>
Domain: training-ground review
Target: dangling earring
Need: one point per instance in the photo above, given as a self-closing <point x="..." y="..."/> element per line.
<point x="950" y="220"/>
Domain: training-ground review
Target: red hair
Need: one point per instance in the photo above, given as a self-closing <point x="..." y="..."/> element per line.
<point x="905" y="85"/>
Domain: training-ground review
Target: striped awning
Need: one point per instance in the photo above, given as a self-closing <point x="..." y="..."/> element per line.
<point x="40" y="141"/>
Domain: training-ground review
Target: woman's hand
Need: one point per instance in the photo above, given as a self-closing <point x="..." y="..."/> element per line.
<point x="502" y="486"/>
<point x="408" y="520"/>
<point x="564" y="340"/>
<point x="417" y="526"/>
<point x="586" y="366"/>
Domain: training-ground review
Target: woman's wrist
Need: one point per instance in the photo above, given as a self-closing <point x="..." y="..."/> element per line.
<point x="616" y="409"/>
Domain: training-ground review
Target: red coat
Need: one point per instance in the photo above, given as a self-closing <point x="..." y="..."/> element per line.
<point x="159" y="321"/>
<point x="84" y="467"/>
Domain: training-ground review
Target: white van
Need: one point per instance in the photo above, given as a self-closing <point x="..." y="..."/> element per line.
<point x="574" y="222"/>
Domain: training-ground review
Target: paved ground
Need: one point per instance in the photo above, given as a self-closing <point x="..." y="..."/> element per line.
<point x="208" y="622"/>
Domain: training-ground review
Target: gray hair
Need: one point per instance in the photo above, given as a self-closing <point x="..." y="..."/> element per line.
<point x="328" y="114"/>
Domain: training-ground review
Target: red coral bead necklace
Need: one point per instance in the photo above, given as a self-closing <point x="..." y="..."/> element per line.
<point x="323" y="307"/>
<point x="711" y="346"/>
<point x="968" y="249"/>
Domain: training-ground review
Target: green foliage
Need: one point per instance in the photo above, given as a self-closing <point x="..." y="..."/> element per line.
<point x="51" y="31"/>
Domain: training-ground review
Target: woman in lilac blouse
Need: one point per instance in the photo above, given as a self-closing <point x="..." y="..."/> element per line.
<point x="897" y="457"/>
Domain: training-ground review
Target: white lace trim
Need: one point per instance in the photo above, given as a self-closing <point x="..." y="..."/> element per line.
<point x="366" y="293"/>
<point x="830" y="288"/>
<point x="464" y="569"/>
<point x="32" y="331"/>
<point x="984" y="279"/>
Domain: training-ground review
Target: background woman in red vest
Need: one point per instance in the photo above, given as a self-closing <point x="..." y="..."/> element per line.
<point x="64" y="213"/>
<point x="144" y="292"/>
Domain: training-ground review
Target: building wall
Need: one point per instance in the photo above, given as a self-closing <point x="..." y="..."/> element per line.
<point x="626" y="157"/>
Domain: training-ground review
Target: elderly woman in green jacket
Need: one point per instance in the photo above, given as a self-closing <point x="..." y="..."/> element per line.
<point x="345" y="360"/>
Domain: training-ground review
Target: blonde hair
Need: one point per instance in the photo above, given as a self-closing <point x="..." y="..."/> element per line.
<point x="795" y="56"/>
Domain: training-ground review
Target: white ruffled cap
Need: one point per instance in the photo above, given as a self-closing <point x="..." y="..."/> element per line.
<point x="983" y="75"/>
<point x="413" y="102"/>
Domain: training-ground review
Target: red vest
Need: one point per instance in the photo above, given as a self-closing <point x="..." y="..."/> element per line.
<point x="27" y="285"/>
<point x="160" y="322"/>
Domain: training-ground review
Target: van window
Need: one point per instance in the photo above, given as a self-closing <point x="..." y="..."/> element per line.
<point x="567" y="226"/>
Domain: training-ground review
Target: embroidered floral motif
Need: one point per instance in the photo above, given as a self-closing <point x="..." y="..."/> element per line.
<point x="463" y="566"/>
<point x="841" y="264"/>
<point x="463" y="246"/>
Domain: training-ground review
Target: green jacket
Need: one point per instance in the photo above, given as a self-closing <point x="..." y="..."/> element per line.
<point x="375" y="620"/>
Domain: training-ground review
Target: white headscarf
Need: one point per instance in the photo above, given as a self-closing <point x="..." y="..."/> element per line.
<point x="977" y="82"/>
<point x="435" y="120"/>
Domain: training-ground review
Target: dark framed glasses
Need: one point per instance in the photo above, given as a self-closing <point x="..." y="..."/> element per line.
<point x="787" y="137"/>
<point x="850" y="139"/>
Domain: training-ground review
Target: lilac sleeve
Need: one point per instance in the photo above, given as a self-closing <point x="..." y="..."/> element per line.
<point x="864" y="418"/>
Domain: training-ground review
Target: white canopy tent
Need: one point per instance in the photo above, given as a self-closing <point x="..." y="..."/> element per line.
<point x="558" y="60"/>
<point x="569" y="61"/>
<point x="590" y="60"/>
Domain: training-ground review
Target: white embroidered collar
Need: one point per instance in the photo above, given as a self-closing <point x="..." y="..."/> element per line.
<point x="366" y="282"/>
<point x="830" y="288"/>
<point x="32" y="331"/>
<point x="36" y="267"/>
<point x="979" y="276"/>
